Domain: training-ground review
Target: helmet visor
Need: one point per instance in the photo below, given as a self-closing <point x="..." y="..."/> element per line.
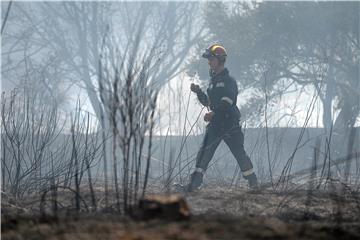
<point x="207" y="54"/>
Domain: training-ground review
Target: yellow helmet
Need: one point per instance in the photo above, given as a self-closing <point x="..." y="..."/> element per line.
<point x="215" y="50"/>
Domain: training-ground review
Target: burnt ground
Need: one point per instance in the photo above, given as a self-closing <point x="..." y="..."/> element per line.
<point x="217" y="212"/>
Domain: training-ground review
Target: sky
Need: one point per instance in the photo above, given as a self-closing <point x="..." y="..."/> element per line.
<point x="179" y="111"/>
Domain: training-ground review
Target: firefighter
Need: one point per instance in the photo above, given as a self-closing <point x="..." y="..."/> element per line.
<point x="223" y="119"/>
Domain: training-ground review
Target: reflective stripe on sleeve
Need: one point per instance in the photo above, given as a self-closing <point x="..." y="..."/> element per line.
<point x="200" y="170"/>
<point x="228" y="100"/>
<point x="248" y="172"/>
<point x="220" y="84"/>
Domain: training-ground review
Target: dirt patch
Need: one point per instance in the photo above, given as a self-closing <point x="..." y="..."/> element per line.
<point x="217" y="213"/>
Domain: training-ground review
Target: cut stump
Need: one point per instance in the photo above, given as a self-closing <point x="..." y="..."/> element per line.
<point x="168" y="207"/>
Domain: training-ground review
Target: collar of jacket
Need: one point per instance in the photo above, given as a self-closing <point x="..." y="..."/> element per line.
<point x="220" y="75"/>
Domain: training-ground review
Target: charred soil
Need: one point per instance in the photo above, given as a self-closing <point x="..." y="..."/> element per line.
<point x="216" y="213"/>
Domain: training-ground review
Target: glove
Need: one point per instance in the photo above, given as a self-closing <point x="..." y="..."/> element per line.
<point x="195" y="88"/>
<point x="208" y="116"/>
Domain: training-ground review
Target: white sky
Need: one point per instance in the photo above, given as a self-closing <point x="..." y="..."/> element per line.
<point x="179" y="104"/>
<point x="171" y="106"/>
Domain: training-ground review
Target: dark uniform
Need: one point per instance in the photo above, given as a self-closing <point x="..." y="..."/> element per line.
<point x="221" y="98"/>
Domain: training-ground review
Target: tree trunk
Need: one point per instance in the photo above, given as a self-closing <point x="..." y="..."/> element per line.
<point x="349" y="112"/>
<point x="327" y="102"/>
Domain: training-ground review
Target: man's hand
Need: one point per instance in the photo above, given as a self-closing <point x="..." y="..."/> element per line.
<point x="208" y="116"/>
<point x="195" y="88"/>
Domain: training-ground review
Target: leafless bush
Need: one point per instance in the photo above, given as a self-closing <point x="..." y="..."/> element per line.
<point x="29" y="127"/>
<point x="82" y="154"/>
<point x="127" y="94"/>
<point x="36" y="152"/>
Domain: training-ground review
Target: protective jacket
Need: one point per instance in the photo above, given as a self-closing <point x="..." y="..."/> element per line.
<point x="221" y="98"/>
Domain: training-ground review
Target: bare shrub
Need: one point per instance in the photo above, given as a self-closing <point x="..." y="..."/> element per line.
<point x="29" y="128"/>
<point x="127" y="93"/>
<point x="36" y="152"/>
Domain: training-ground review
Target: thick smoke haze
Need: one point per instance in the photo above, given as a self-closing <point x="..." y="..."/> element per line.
<point x="106" y="102"/>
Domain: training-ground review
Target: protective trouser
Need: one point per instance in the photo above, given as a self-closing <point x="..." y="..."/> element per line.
<point x="234" y="139"/>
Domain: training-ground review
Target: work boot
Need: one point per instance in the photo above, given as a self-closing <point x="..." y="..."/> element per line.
<point x="253" y="182"/>
<point x="196" y="180"/>
<point x="194" y="183"/>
